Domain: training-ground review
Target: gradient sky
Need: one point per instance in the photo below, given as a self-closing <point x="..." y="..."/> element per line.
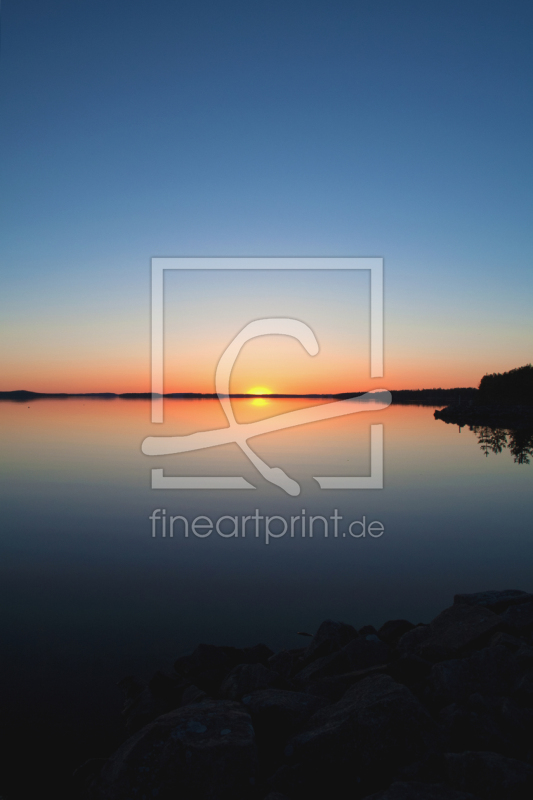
<point x="134" y="129"/>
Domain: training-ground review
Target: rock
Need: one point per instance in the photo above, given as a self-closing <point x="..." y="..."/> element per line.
<point x="85" y="774"/>
<point x="473" y="726"/>
<point x="138" y="711"/>
<point x="333" y="664"/>
<point x="291" y="780"/>
<point x="439" y="711"/>
<point x="511" y="642"/>
<point x="377" y="727"/>
<point x="413" y="790"/>
<point x="365" y="652"/>
<point x="276" y="715"/>
<point x="490" y="775"/>
<point x="331" y="636"/>
<point x="167" y="688"/>
<point x="247" y="678"/>
<point x="283" y="663"/>
<point x="207" y="657"/>
<point x="208" y="665"/>
<point x="391" y="632"/>
<point x="281" y="709"/>
<point x="523" y="693"/>
<point x="205" y="751"/>
<point x="453" y="632"/>
<point x="524" y="658"/>
<point x="193" y="694"/>
<point x="409" y="670"/>
<point x="368" y="630"/>
<point x="408" y="643"/>
<point x="496" y="601"/>
<point x="519" y="618"/>
<point x="491" y="671"/>
<point x="333" y="688"/>
<point x="358" y="654"/>
<point x="131" y="687"/>
<point x="258" y="654"/>
<point x="517" y="724"/>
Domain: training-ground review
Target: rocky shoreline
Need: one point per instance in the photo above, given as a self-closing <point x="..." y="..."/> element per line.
<point x="442" y="711"/>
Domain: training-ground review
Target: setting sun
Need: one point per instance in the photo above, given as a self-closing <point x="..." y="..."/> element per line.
<point x="259" y="390"/>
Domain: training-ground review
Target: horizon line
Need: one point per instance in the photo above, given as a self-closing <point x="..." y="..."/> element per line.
<point x="28" y="394"/>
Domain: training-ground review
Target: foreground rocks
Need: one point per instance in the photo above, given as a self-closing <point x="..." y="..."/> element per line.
<point x="442" y="711"/>
<point x="207" y="750"/>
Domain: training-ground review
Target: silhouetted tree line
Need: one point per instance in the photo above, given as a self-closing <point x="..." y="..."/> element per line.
<point x="432" y="397"/>
<point x="514" y="387"/>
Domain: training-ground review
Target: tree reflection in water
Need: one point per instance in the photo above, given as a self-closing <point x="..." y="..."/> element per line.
<point x="494" y="440"/>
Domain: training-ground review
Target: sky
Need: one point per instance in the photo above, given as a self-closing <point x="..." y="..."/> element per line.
<point x="134" y="129"/>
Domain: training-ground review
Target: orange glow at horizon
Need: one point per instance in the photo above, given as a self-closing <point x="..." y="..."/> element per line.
<point x="104" y="375"/>
<point x="286" y="371"/>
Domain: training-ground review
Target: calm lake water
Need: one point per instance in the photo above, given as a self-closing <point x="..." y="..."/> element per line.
<point x="88" y="595"/>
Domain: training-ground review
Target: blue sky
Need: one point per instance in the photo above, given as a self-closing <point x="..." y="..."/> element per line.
<point x="134" y="129"/>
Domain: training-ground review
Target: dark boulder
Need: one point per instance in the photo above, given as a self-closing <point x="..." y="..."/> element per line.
<point x="523" y="693"/>
<point x="413" y="790"/>
<point x="258" y="654"/>
<point x="333" y="664"/>
<point x="368" y="630"/>
<point x="205" y="751"/>
<point x="496" y="601"/>
<point x="192" y="694"/>
<point x="365" y="652"/>
<point x="278" y="714"/>
<point x="453" y="632"/>
<point x="474" y="725"/>
<point x="281" y="711"/>
<point x="519" y="618"/>
<point x="506" y="640"/>
<point x="207" y="657"/>
<point x="517" y="723"/>
<point x="490" y="775"/>
<point x="330" y="636"/>
<point x="140" y="706"/>
<point x="276" y="796"/>
<point x="247" y="678"/>
<point x="283" y="663"/>
<point x="391" y="632"/>
<point x="292" y="780"/>
<point x="333" y="688"/>
<point x="410" y="670"/>
<point x="359" y="654"/>
<point x="524" y="659"/>
<point x="167" y="688"/>
<point x="491" y="671"/>
<point x="138" y="711"/>
<point x="377" y="727"/>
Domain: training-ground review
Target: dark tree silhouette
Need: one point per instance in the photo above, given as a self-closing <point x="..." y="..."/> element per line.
<point x="521" y="445"/>
<point x="495" y="440"/>
<point x="514" y="387"/>
<point x="491" y="439"/>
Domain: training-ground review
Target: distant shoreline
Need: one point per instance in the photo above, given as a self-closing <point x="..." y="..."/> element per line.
<point x="405" y="396"/>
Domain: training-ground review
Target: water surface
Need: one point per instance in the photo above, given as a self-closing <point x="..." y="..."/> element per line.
<point x="89" y="595"/>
